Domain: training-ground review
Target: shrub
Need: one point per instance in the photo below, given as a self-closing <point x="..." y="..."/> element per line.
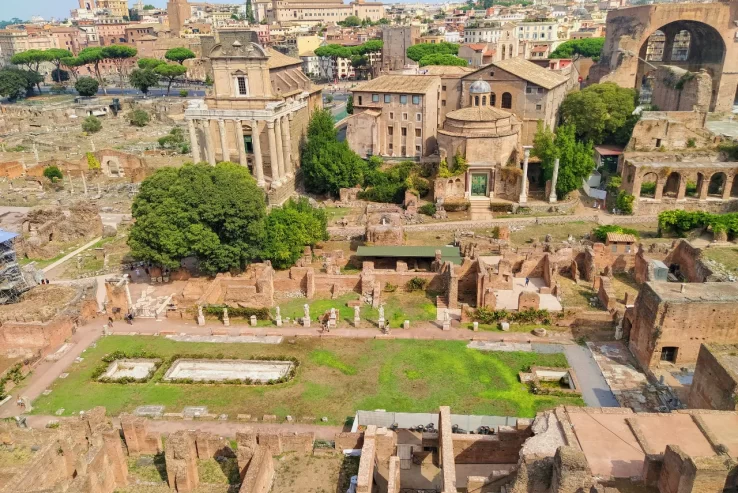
<point x="238" y="312"/>
<point x="691" y="143"/>
<point x="681" y="222"/>
<point x="139" y="118"/>
<point x="390" y="288"/>
<point x="648" y="188"/>
<point x="529" y="316"/>
<point x="91" y="124"/>
<point x="614" y="183"/>
<point x="58" y="89"/>
<point x="92" y="162"/>
<point x="184" y="93"/>
<point x="53" y="173"/>
<point x="416" y="284"/>
<point x="601" y="232"/>
<point x="730" y="150"/>
<point x="625" y="202"/>
<point x="427" y="209"/>
<point x="691" y="188"/>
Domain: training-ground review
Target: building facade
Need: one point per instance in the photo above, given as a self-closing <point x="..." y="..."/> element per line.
<point x="178" y="12"/>
<point x="256" y="114"/>
<point x="482" y="32"/>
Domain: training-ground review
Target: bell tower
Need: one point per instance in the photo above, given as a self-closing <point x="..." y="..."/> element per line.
<point x="178" y="12"/>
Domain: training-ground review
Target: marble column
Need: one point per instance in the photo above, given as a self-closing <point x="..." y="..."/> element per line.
<point x="552" y="196"/>
<point x="193" y="141"/>
<point x="209" y="144"/>
<point x="225" y="152"/>
<point x="273" y="159"/>
<point x="258" y="161"/>
<point x="287" y="147"/>
<point x="280" y="148"/>
<point x="241" y="144"/>
<point x="524" y="187"/>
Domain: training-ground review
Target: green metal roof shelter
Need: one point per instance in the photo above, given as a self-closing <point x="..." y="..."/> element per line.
<point x="448" y="253"/>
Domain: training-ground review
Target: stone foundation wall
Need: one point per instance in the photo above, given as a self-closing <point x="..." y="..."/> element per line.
<point x="138" y="439"/>
<point x="689" y="260"/>
<point x="260" y="474"/>
<point x="349" y="441"/>
<point x="24" y="339"/>
<point x="713" y="386"/>
<point x="571" y="473"/>
<point x="181" y="462"/>
<point x="682" y="473"/>
<point x="503" y="448"/>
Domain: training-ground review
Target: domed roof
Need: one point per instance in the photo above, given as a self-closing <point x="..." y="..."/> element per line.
<point x="480" y="87"/>
<point x="478" y="114"/>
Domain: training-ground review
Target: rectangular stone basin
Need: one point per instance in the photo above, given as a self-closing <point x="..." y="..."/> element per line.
<point x="227" y="369"/>
<point x="133" y="368"/>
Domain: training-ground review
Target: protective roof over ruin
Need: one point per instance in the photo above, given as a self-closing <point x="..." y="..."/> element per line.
<point x="531" y="72"/>
<point x="448" y="254"/>
<point x="408" y="84"/>
<point x="6" y="235"/>
<point x="685" y="293"/>
<point x="620" y="238"/>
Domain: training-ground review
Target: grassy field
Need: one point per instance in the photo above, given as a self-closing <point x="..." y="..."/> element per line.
<point x="336" y="377"/>
<point x="728" y="256"/>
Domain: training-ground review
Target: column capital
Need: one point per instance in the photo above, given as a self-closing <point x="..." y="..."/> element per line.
<point x="270" y="124"/>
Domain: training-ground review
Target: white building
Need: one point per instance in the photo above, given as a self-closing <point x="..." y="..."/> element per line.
<point x="482" y="32"/>
<point x="538" y="31"/>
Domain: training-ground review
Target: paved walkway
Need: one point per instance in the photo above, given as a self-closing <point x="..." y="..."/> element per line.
<point x="81" y="249"/>
<point x="46" y="372"/>
<point x="221" y="428"/>
<point x="595" y="391"/>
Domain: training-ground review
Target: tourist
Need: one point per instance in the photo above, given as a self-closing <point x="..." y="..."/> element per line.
<point x="110" y="322"/>
<point x="19" y="402"/>
<point x="527" y="281"/>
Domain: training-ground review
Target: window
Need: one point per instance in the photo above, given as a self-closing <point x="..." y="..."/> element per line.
<point x="403" y="151"/>
<point x="443" y="88"/>
<point x="658" y="142"/>
<point x="484" y="100"/>
<point x="507" y="100"/>
<point x="390" y="147"/>
<point x="418" y="133"/>
<point x="418" y="117"/>
<point x="669" y="354"/>
<point x="614" y="248"/>
<point x="443" y="102"/>
<point x="404" y="116"/>
<point x="538" y="107"/>
<point x="404" y="131"/>
<point x="417" y="149"/>
<point x="359" y="100"/>
<point x="416" y="99"/>
<point x="540" y="89"/>
<point x="627" y="248"/>
<point x="403" y="99"/>
<point x="491" y="74"/>
<point x="390" y="131"/>
<point x="476" y="100"/>
<point x="492" y="99"/>
<point x="243" y="86"/>
<point x="392" y="115"/>
<point x="375" y="98"/>
<point x="387" y="98"/>
<point x="528" y="90"/>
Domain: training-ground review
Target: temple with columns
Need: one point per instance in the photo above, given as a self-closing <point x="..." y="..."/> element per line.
<point x="256" y="114"/>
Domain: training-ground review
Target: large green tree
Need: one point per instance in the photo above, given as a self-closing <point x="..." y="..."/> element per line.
<point x="12" y="83"/>
<point x="587" y="47"/>
<point x="250" y="12"/>
<point x="599" y="112"/>
<point x="87" y="86"/>
<point x="576" y="160"/>
<point x="149" y="63"/>
<point x="170" y="72"/>
<point x="290" y="228"/>
<point x="72" y="64"/>
<point x="32" y="60"/>
<point x="143" y="80"/>
<point x="442" y="59"/>
<point x="119" y="54"/>
<point x="215" y="213"/>
<point x="55" y="56"/>
<point x="327" y="164"/>
<point x="418" y="51"/>
<point x="179" y="55"/>
<point x="93" y="56"/>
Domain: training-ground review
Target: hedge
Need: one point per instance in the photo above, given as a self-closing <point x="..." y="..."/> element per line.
<point x="680" y="222"/>
<point x="238" y="312"/>
<point x="529" y="316"/>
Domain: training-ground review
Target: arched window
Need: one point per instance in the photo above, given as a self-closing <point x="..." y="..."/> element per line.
<point x="680" y="46"/>
<point x="492" y="99"/>
<point x="507" y="101"/>
<point x="476" y="100"/>
<point x="484" y="100"/>
<point x="510" y="51"/>
<point x="503" y="52"/>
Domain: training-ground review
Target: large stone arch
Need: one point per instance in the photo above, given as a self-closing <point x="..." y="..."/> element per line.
<point x="712" y="36"/>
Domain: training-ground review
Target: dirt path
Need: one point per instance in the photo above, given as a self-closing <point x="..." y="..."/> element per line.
<point x="81" y="249"/>
<point x="46" y="372"/>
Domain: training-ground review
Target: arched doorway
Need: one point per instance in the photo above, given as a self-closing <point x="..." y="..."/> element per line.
<point x="691" y="45"/>
<point x="506" y="101"/>
<point x="716" y="185"/>
<point x="671" y="187"/>
<point x="648" y="185"/>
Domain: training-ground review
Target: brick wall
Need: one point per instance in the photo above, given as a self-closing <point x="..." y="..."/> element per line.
<point x="17" y="338"/>
<point x="138" y="439"/>
<point x="713" y="386"/>
<point x="349" y="441"/>
<point x="260" y="473"/>
<point x="503" y="448"/>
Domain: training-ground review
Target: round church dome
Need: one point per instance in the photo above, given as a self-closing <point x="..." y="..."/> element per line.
<point x="480" y="87"/>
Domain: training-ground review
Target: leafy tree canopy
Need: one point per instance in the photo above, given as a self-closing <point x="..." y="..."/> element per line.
<point x="340" y="51"/>
<point x="587" y="47"/>
<point x="149" y="7"/>
<point x="170" y="72"/>
<point x="215" y="213"/>
<point x="13" y="83"/>
<point x="143" y="79"/>
<point x="56" y="54"/>
<point x="53" y="173"/>
<point x="91" y="124"/>
<point x="149" y="63"/>
<point x="87" y="86"/>
<point x="575" y="157"/>
<point x="290" y="228"/>
<point x="442" y="59"/>
<point x="179" y="55"/>
<point x="327" y="164"/>
<point x="600" y="112"/>
<point x="418" y="51"/>
<point x="351" y="21"/>
<point x="92" y="54"/>
<point x="118" y="52"/>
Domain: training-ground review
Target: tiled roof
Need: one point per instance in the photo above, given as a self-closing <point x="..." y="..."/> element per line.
<point x="279" y="60"/>
<point x="531" y="72"/>
<point x="412" y="84"/>
<point x="445" y="70"/>
<point x="478" y="114"/>
<point x="620" y="238"/>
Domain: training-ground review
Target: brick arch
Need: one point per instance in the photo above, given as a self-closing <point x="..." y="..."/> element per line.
<point x="672" y="184"/>
<point x="647" y="190"/>
<point x="716" y="186"/>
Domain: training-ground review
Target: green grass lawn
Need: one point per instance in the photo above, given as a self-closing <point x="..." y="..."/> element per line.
<point x="336" y="377"/>
<point x="728" y="256"/>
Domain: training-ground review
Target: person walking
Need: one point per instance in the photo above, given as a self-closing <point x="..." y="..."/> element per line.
<point x="527" y="281"/>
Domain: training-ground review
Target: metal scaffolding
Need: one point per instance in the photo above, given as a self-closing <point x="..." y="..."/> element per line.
<point x="12" y="281"/>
